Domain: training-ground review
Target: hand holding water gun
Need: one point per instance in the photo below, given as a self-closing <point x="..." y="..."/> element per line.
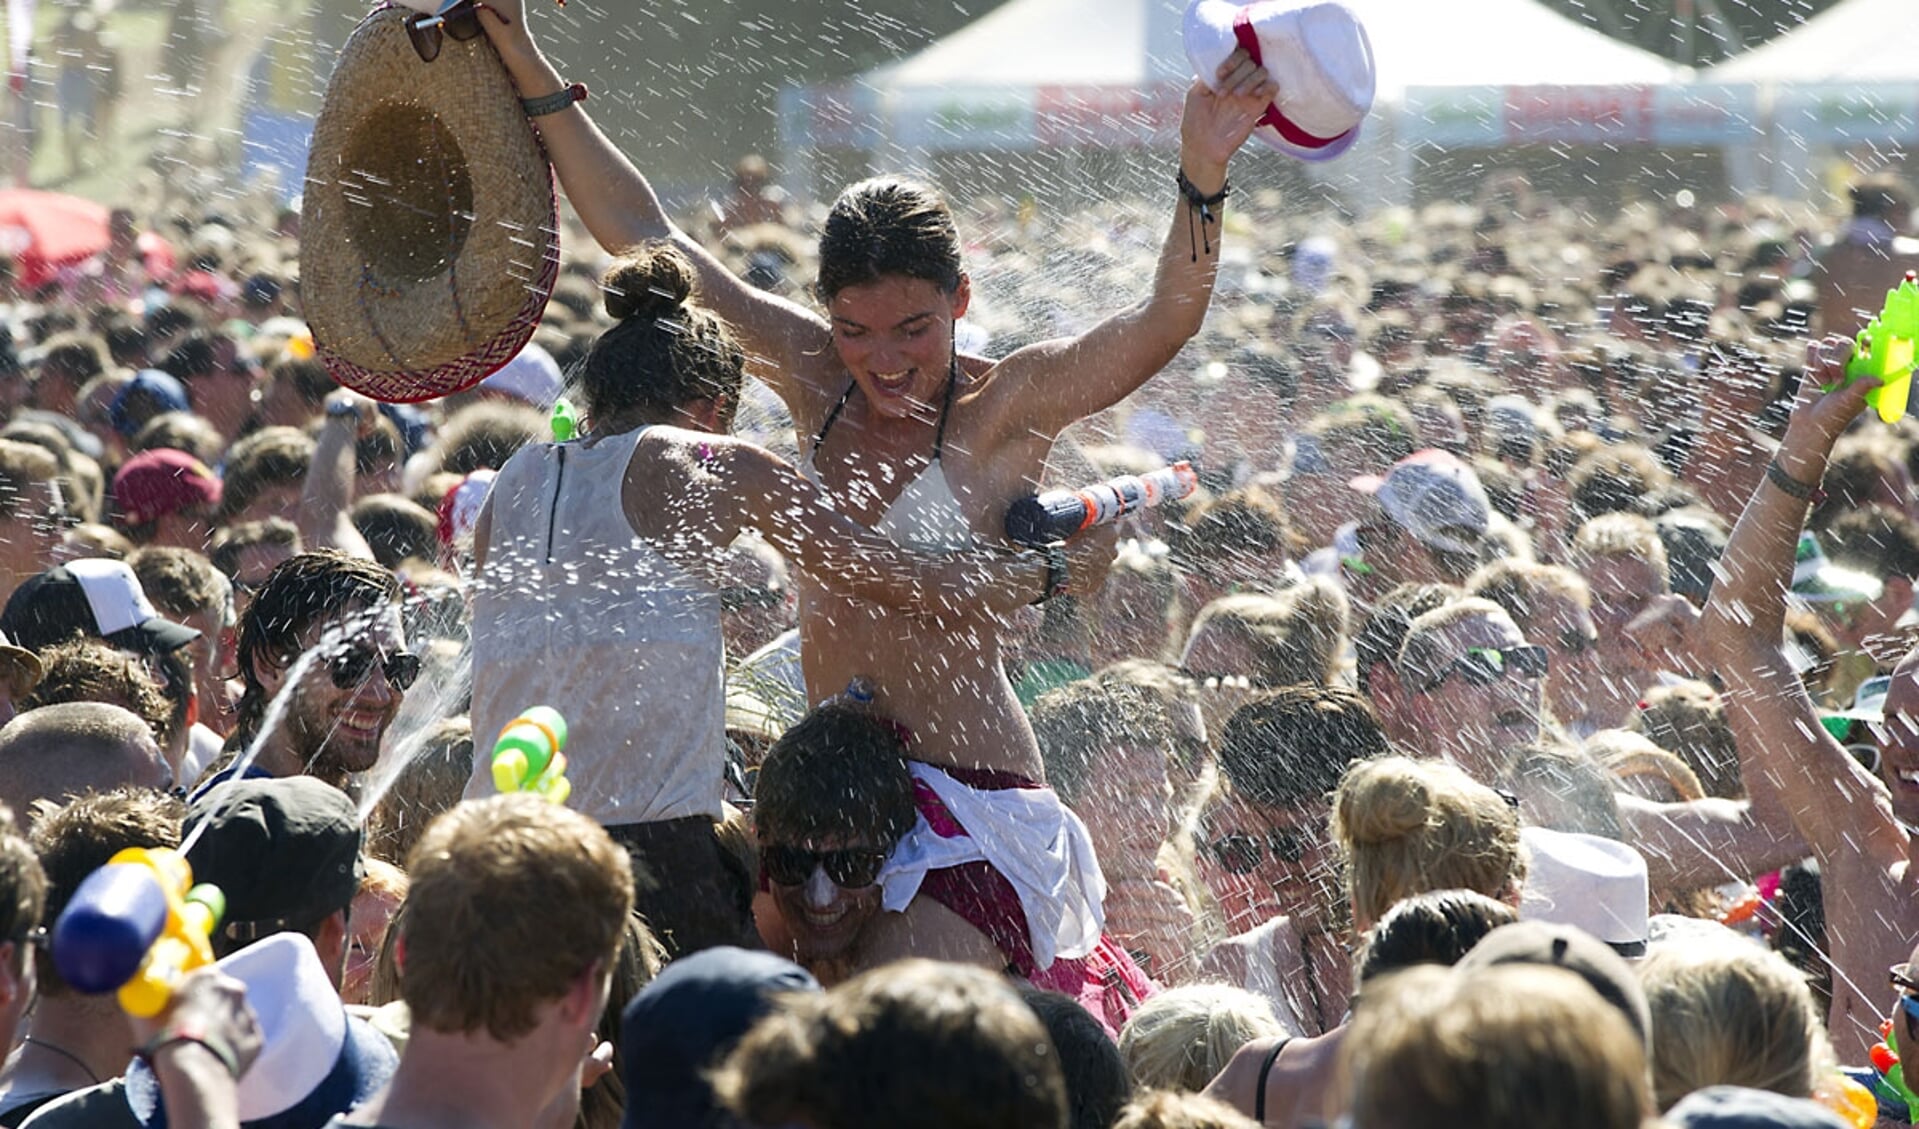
<point x="137" y="925"/>
<point x="1885" y="349"/>
<point x="529" y="755"/>
<point x="1042" y="519"/>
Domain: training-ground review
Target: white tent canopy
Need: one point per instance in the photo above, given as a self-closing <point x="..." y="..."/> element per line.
<point x="1030" y="43"/>
<point x="1451" y="43"/>
<point x="1415" y="43"/>
<point x="1856" y="41"/>
<point x="1042" y="73"/>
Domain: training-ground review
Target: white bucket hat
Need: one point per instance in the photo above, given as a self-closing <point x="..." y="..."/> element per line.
<point x="1315" y="49"/>
<point x="1589" y="882"/>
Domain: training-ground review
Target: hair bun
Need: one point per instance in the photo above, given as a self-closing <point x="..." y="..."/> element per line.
<point x="1383" y="801"/>
<point x="654" y="281"/>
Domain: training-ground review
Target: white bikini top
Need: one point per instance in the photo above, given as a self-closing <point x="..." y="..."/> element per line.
<point x="926" y="517"/>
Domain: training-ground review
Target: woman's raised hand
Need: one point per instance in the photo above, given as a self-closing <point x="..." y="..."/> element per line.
<point x="1215" y="125"/>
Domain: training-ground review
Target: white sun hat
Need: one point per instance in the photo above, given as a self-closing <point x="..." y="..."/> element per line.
<point x="1593" y="883"/>
<point x="1316" y="50"/>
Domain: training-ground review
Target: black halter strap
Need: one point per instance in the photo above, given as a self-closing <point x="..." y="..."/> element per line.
<point x="939" y="432"/>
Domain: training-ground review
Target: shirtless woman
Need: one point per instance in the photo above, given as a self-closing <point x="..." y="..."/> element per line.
<point x="596" y="589"/>
<point x="921" y="448"/>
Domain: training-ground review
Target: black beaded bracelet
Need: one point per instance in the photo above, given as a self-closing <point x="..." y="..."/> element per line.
<point x="1058" y="578"/>
<point x="1201" y="204"/>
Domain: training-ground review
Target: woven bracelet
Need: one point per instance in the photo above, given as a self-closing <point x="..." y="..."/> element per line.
<point x="1787" y="484"/>
<point x="555" y="102"/>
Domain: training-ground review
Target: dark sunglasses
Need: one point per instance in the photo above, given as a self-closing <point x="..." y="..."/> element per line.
<point x="1483" y="666"/>
<point x="351" y="668"/>
<point x="1576" y="642"/>
<point x="851" y="869"/>
<point x="739" y="597"/>
<point x="462" y="22"/>
<point x="1241" y="853"/>
<point x="1908" y="1001"/>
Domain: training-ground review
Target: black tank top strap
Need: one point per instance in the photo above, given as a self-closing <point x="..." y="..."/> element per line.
<point x="1265" y="1072"/>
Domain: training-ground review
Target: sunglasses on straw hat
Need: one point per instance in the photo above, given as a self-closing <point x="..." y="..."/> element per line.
<point x="428" y="33"/>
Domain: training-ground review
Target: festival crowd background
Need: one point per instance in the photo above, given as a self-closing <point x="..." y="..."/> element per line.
<point x="1445" y="641"/>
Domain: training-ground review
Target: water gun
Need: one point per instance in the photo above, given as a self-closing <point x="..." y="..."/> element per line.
<point x="136" y="926"/>
<point x="1042" y="519"/>
<point x="529" y="755"/>
<point x="1891" y="1082"/>
<point x="1852" y="1101"/>
<point x="565" y="420"/>
<point x="1884" y="349"/>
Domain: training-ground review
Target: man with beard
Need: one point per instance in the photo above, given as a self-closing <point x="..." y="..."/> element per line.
<point x="346" y="697"/>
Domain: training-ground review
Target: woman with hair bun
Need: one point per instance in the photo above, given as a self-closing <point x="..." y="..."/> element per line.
<point x="1407" y="829"/>
<point x="597" y="594"/>
<point x="928" y="449"/>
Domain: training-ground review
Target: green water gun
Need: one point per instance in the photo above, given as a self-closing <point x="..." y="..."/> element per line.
<point x="1885" y="350"/>
<point x="530" y="756"/>
<point x="565" y="420"/>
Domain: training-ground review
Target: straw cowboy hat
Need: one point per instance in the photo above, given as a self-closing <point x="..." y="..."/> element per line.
<point x="431" y="235"/>
<point x="1315" y="49"/>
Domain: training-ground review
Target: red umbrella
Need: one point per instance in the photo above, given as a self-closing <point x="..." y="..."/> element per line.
<point x="44" y="231"/>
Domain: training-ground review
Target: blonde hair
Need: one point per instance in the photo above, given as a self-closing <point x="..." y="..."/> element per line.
<point x="1164" y="1110"/>
<point x="1409" y="827"/>
<point x="1522" y="586"/>
<point x="1294" y="636"/>
<point x="1507" y="1047"/>
<point x="1624" y="535"/>
<point x="1731" y="1013"/>
<point x="429" y="784"/>
<point x="383" y="879"/>
<point x="1183" y="1037"/>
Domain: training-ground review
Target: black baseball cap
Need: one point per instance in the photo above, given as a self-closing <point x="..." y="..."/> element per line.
<point x="1576" y="951"/>
<point x="94" y="599"/>
<point x="285" y="852"/>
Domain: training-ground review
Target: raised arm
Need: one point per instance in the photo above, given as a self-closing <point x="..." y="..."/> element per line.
<point x="327" y="497"/>
<point x="747" y="487"/>
<point x="622" y="211"/>
<point x="1707" y="842"/>
<point x="1833" y="802"/>
<point x="1730" y="459"/>
<point x="1052" y="384"/>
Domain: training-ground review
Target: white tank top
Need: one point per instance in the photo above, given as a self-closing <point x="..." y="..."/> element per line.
<point x="576" y="611"/>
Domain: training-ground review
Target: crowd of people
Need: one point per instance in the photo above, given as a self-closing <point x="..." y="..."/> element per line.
<point x="1513" y="729"/>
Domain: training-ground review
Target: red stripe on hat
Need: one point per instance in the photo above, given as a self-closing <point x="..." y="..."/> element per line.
<point x="1249" y="39"/>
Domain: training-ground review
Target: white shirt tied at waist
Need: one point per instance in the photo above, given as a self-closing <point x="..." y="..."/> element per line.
<point x="1031" y="838"/>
